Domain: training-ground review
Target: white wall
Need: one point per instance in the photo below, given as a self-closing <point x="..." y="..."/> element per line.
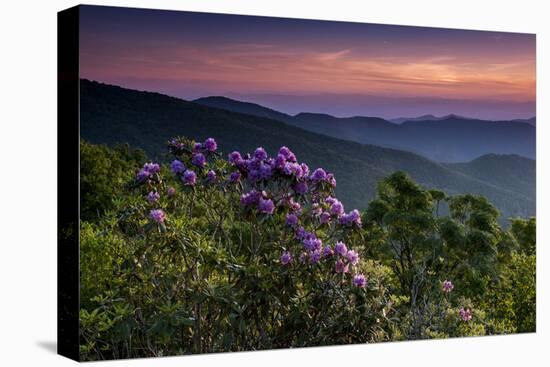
<point x="28" y="153"/>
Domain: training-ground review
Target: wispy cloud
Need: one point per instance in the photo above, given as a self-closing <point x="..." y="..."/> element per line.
<point x="267" y="67"/>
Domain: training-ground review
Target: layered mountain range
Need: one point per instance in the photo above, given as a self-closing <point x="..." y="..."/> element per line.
<point x="360" y="151"/>
<point x="449" y="138"/>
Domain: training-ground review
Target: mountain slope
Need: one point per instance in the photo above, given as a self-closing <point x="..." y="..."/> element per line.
<point x="242" y="107"/>
<point x="111" y="115"/>
<point x="512" y="172"/>
<point x="444" y="139"/>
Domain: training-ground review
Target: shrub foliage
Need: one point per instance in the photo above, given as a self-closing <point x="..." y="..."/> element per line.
<point x="207" y="254"/>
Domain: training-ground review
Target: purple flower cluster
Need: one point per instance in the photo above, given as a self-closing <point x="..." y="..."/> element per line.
<point x="148" y="171"/>
<point x="286" y="258"/>
<point x="465" y="314"/>
<point x="261" y="168"/>
<point x="320" y="175"/>
<point x="333" y="208"/>
<point x="211" y="176"/>
<point x="157" y="215"/>
<point x="314" y="250"/>
<point x="198" y="153"/>
<point x="328" y="251"/>
<point x="235" y="177"/>
<point x="258" y="200"/>
<point x="151" y="167"/>
<point x="177" y="167"/>
<point x="359" y="280"/>
<point x="447" y="286"/>
<point x="258" y="168"/>
<point x="337" y="208"/>
<point x="189" y="178"/>
<point x="353" y="257"/>
<point x="266" y="206"/>
<point x="287" y="154"/>
<point x="351" y="219"/>
<point x="312" y="243"/>
<point x="301" y="188"/>
<point x="235" y="158"/>
<point x="346" y="257"/>
<point x="198" y="160"/>
<point x="210" y="145"/>
<point x="176" y="147"/>
<point x="292" y="220"/>
<point x="260" y="154"/>
<point x="153" y="196"/>
<point x="324" y="218"/>
<point x="276" y="185"/>
<point x="250" y="198"/>
<point x="340" y="248"/>
<point x="315" y="256"/>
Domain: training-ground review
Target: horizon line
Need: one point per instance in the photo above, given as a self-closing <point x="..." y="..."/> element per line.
<point x="305" y="111"/>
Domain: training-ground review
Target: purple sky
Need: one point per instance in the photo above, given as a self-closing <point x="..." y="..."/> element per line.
<point x="304" y="65"/>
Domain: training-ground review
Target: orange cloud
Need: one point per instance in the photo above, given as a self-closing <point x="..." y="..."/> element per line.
<point x="269" y="67"/>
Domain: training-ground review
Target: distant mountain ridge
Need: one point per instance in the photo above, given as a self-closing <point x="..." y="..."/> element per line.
<point x="428" y="117"/>
<point x="111" y="115"/>
<point x="448" y="138"/>
<point x="530" y="121"/>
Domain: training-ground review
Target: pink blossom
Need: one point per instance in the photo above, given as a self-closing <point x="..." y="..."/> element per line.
<point x="466" y="314"/>
<point x="341" y="267"/>
<point x="447" y="286"/>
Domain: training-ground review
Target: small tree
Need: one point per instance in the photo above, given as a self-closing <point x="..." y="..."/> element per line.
<point x="424" y="248"/>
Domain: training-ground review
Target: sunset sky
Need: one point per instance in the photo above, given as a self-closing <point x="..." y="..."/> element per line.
<point x="316" y="66"/>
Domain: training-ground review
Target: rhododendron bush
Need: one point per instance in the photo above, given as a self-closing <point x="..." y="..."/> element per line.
<point x="212" y="253"/>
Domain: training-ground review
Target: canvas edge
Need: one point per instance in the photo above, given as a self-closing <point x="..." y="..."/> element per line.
<point x="68" y="302"/>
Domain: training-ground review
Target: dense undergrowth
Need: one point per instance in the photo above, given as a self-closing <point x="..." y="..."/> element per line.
<point x="213" y="253"/>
